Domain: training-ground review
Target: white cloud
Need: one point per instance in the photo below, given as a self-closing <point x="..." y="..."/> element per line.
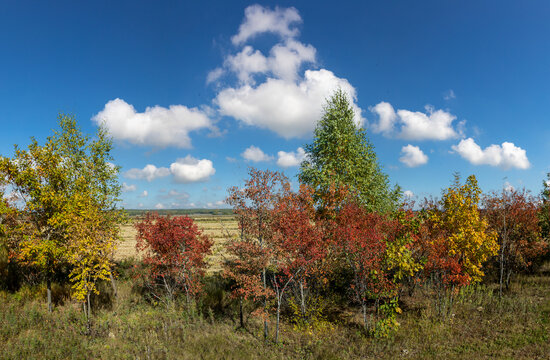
<point x="508" y="187"/>
<point x="287" y="108"/>
<point x="286" y="59"/>
<point x="413" y="156"/>
<point x="128" y="188"/>
<point x="259" y="19"/>
<point x="159" y="206"/>
<point x="156" y="126"/>
<point x="293" y="158"/>
<point x="246" y="63"/>
<point x="408" y="194"/>
<point x="149" y="172"/>
<point x="449" y="94"/>
<point x="287" y="100"/>
<point x="214" y="75"/>
<point x="255" y="154"/>
<point x="414" y="125"/>
<point x="387" y="118"/>
<point x="505" y="156"/>
<point x="144" y="194"/>
<point x="189" y="170"/>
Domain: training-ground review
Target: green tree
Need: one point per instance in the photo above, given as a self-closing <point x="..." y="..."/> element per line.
<point x="342" y="156"/>
<point x="60" y="184"/>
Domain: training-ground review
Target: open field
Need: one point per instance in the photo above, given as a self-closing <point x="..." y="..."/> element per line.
<point x="217" y="227"/>
<point x="481" y="326"/>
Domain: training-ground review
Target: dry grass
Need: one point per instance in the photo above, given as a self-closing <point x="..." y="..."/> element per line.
<point x="218" y="228"/>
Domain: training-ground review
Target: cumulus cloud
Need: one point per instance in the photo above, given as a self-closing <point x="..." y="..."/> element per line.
<point x="387" y="118"/>
<point x="144" y="194"/>
<point x="149" y="172"/>
<point x="286" y="108"/>
<point x="246" y="63"/>
<point x="505" y="156"/>
<point x="189" y="169"/>
<point x="156" y="126"/>
<point x="184" y="170"/>
<point x="159" y="206"/>
<point x="413" y="156"/>
<point x="287" y="100"/>
<point x="407" y="193"/>
<point x="258" y="20"/>
<point x="128" y="188"/>
<point x="289" y="159"/>
<point x="414" y="125"/>
<point x="255" y="154"/>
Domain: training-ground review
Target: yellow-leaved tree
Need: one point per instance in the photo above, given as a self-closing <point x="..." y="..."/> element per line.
<point x="468" y="236"/>
<point x="65" y="187"/>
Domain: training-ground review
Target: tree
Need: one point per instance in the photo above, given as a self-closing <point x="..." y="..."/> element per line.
<point x="512" y="214"/>
<point x="174" y="249"/>
<point x="544" y="211"/>
<point x="341" y="156"/>
<point x="250" y="255"/>
<point x="458" y="241"/>
<point x="298" y="246"/>
<point x="51" y="180"/>
<point x="361" y="237"/>
<point x="9" y="229"/>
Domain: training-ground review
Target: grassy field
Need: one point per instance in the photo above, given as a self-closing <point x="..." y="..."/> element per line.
<point x="481" y="326"/>
<point x="217" y="227"/>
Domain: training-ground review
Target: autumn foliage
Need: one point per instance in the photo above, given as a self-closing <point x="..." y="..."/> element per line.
<point x="174" y="251"/>
<point x="512" y="214"/>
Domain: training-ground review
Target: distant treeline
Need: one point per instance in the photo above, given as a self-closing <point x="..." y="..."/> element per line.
<point x="214" y="212"/>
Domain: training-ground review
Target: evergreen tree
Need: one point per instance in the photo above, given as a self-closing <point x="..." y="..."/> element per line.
<point x="342" y="156"/>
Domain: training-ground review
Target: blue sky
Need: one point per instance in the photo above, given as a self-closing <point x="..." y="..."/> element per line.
<point x="195" y="92"/>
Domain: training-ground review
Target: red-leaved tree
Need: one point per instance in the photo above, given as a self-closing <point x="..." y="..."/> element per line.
<point x="249" y="255"/>
<point x="361" y="237"/>
<point x="513" y="215"/>
<point x="298" y="245"/>
<point x="174" y="249"/>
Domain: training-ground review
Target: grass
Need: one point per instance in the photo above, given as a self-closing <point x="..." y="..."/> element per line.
<point x="481" y="326"/>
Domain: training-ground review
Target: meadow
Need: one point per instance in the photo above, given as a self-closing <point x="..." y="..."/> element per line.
<point x="127" y="326"/>
<point x="481" y="326"/>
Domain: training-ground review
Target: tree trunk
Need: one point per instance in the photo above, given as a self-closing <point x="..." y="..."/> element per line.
<point x="89" y="306"/>
<point x="508" y="276"/>
<point x="241" y="315"/>
<point x="502" y="248"/>
<point x="303" y="300"/>
<point x="278" y="317"/>
<point x="49" y="293"/>
<point x="113" y="284"/>
<point x="265" y="305"/>
<point x="364" y="308"/>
